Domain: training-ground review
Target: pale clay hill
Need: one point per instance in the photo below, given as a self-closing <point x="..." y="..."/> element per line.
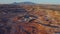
<point x="48" y="21"/>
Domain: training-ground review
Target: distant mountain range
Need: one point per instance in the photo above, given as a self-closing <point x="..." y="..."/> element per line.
<point x="21" y="3"/>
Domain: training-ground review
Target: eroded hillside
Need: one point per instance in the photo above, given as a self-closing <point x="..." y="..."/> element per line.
<point x="29" y="19"/>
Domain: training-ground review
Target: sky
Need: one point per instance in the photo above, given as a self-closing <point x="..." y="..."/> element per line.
<point x="35" y="1"/>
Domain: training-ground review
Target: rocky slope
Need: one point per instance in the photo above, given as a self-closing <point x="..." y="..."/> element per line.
<point x="29" y="19"/>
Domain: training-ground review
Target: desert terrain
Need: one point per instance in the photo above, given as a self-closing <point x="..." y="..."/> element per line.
<point x="29" y="19"/>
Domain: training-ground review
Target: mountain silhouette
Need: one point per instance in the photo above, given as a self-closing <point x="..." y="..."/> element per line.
<point x="21" y="3"/>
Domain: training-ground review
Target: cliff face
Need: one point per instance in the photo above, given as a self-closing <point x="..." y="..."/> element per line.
<point x="29" y="19"/>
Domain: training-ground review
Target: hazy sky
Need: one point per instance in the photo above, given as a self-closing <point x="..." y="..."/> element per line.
<point x="35" y="1"/>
